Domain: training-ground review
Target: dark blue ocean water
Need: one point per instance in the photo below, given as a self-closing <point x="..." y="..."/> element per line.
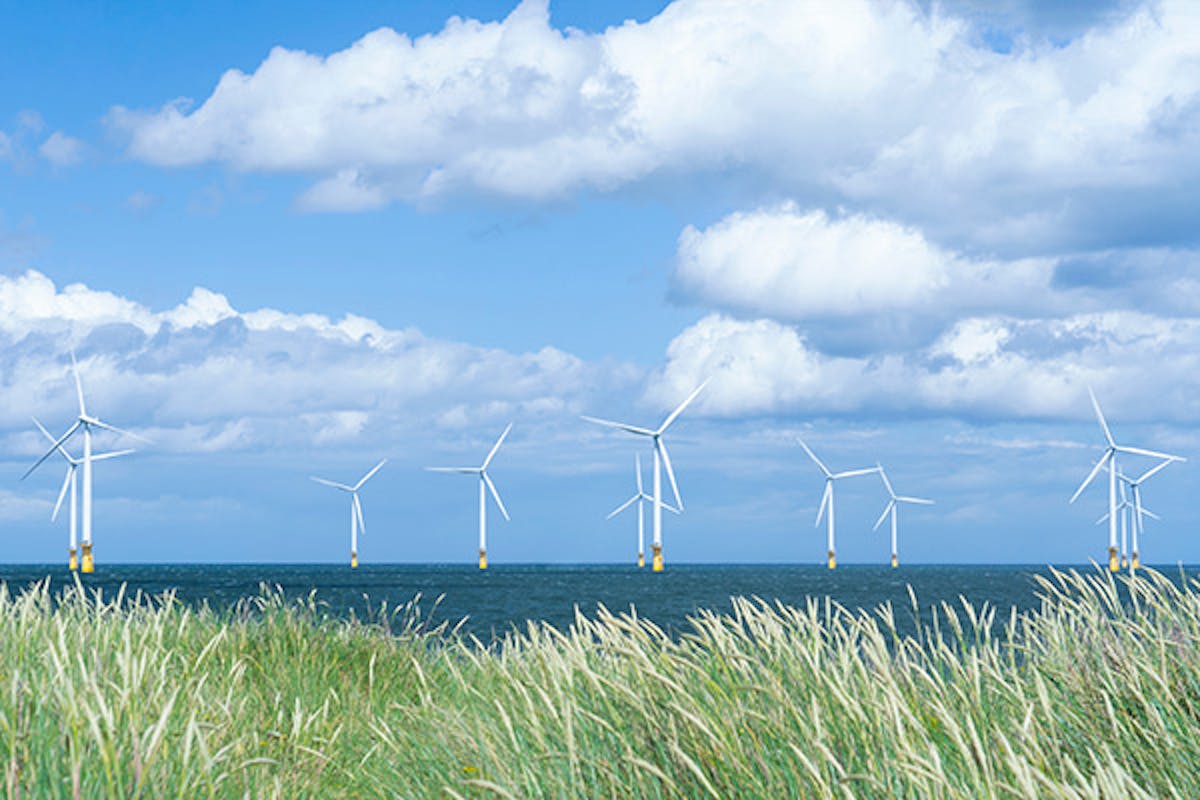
<point x="495" y="600"/>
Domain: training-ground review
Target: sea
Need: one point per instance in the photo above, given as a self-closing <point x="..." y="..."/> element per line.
<point x="489" y="603"/>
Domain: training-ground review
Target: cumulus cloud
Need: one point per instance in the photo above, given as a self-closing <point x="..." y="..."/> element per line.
<point x="62" y="150"/>
<point x="861" y="284"/>
<point x="994" y="367"/>
<point x="894" y="106"/>
<point x="205" y="376"/>
<point x="793" y="264"/>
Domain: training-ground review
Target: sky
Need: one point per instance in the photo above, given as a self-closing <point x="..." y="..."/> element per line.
<point x="285" y="241"/>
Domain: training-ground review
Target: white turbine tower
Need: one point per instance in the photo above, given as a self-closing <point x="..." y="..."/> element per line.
<point x="661" y="459"/>
<point x="640" y="498"/>
<point x="893" y="502"/>
<point x="1136" y="508"/>
<point x="69" y="483"/>
<point x="485" y="480"/>
<point x="356" y="516"/>
<point x="86" y="423"/>
<point x="1124" y="509"/>
<point x="827" y="496"/>
<point x="1110" y="458"/>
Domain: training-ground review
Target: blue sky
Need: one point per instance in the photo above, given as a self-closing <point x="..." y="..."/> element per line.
<point x="287" y="243"/>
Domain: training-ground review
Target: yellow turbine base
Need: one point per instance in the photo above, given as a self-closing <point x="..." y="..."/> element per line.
<point x="354" y="561"/>
<point x="1134" y="562"/>
<point x="87" y="565"/>
<point x="641" y="560"/>
<point x="656" y="559"/>
<point x="1114" y="563"/>
<point x="895" y="561"/>
<point x="483" y="559"/>
<point x="832" y="560"/>
<point x="72" y="560"/>
<point x="1124" y="562"/>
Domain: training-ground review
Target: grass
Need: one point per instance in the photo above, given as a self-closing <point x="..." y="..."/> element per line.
<point x="1096" y="694"/>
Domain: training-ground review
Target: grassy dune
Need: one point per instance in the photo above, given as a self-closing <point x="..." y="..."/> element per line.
<point x="1085" y="697"/>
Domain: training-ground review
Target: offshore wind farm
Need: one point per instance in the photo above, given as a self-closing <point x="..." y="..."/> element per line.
<point x="1125" y="513"/>
<point x="893" y="307"/>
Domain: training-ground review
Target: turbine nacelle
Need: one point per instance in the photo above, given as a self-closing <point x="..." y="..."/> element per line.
<point x="357" y="523"/>
<point x="895" y="499"/>
<point x="655" y="436"/>
<point x="830" y="478"/>
<point x="1113" y="448"/>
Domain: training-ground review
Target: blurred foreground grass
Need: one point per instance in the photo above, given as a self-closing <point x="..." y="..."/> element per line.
<point x="1095" y="694"/>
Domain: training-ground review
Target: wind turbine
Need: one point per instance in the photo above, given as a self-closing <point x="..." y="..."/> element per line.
<point x="891" y="509"/>
<point x="1110" y="458"/>
<point x="661" y="459"/>
<point x="86" y="423"/>
<point x="356" y="516"/>
<point x="69" y="484"/>
<point x="640" y="498"/>
<point x="485" y="480"/>
<point x="1124" y="508"/>
<point x="1137" y="509"/>
<point x="827" y="495"/>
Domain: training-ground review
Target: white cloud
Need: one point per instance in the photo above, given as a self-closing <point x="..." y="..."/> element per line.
<point x="1144" y="367"/>
<point x="895" y="107"/>
<point x="345" y="191"/>
<point x="205" y="376"/>
<point x="62" y="150"/>
<point x="788" y="264"/>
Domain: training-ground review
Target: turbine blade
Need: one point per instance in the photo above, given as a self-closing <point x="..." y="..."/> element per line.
<point x="50" y="437"/>
<point x="62" y="493"/>
<point x="637" y="463"/>
<point x="114" y="429"/>
<point x="495" y="495"/>
<point x="1152" y="471"/>
<point x="463" y="470"/>
<point x="624" y="506"/>
<point x="1137" y="506"/>
<point x="362" y="525"/>
<point x="496" y="447"/>
<point x="917" y="500"/>
<point x="1095" y="470"/>
<point x="669" y="507"/>
<point x="824" y="501"/>
<point x="1103" y="519"/>
<point x="334" y="484"/>
<point x="1143" y="452"/>
<point x="883" y="516"/>
<point x="666" y="459"/>
<point x="78" y="384"/>
<point x="114" y="454"/>
<point x="621" y="426"/>
<point x="886" y="482"/>
<point x="1151" y="514"/>
<point x="813" y="456"/>
<point x="855" y="472"/>
<point x="679" y="409"/>
<point x="1100" y="416"/>
<point x="54" y="448"/>
<point x="368" y="476"/>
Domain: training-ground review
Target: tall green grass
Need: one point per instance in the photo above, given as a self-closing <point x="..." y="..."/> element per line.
<point x="1094" y="695"/>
